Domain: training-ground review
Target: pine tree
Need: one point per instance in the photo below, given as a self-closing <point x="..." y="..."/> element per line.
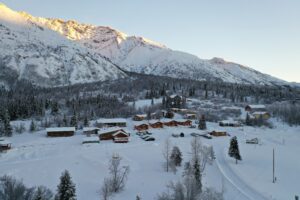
<point x="248" y="120"/>
<point x="32" y="126"/>
<point x="176" y="156"/>
<point x="86" y="121"/>
<point x="202" y="123"/>
<point x="6" y="124"/>
<point x="66" y="189"/>
<point x="197" y="173"/>
<point x="234" y="151"/>
<point x="74" y="121"/>
<point x="65" y="121"/>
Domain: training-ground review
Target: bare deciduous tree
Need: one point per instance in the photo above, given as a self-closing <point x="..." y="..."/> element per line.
<point x="166" y="153"/>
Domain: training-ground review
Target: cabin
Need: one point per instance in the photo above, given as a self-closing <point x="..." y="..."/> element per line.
<point x="218" y="133"/>
<point x="157" y="125"/>
<point x="139" y="117"/>
<point x="175" y="101"/>
<point x="90" y="140"/>
<point x="229" y="123"/>
<point x="171" y="123"/>
<point x="169" y="114"/>
<point x="184" y="123"/>
<point x="261" y="115"/>
<point x="5" y="145"/>
<point x="120" y="137"/>
<point x="90" y="131"/>
<point x="107" y="134"/>
<point x="60" y="131"/>
<point x="114" y="122"/>
<point x="141" y="127"/>
<point x="253" y="108"/>
<point x="190" y="116"/>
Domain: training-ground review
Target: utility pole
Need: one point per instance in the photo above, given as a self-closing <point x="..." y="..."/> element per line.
<point x="274" y="179"/>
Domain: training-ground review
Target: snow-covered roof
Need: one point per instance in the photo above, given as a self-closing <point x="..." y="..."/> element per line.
<point x="5" y="142"/>
<point x="112" y="120"/>
<point x="119" y="133"/>
<point x="108" y="130"/>
<point x="229" y="122"/>
<point x="90" y="128"/>
<point x="90" y="139"/>
<point x="141" y="115"/>
<point x="257" y="106"/>
<point x="60" y="129"/>
<point x="189" y="114"/>
<point x="260" y="113"/>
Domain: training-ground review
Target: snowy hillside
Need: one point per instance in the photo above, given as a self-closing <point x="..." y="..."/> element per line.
<point x="35" y="53"/>
<point x="140" y="55"/>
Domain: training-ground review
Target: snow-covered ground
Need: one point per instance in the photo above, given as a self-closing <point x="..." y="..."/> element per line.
<point x="39" y="160"/>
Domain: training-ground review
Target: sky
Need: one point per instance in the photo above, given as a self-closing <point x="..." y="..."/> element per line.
<point x="262" y="34"/>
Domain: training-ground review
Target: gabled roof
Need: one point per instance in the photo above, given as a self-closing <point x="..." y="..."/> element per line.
<point x="120" y="132"/>
<point x="90" y="129"/>
<point x="141" y="115"/>
<point x="109" y="130"/>
<point x="259" y="113"/>
<point x="61" y="129"/>
<point x="5" y="142"/>
<point x="257" y="106"/>
<point x="90" y="139"/>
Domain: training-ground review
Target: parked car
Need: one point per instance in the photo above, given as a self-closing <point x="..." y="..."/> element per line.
<point x="175" y="135"/>
<point x="150" y="139"/>
<point x="181" y="134"/>
<point x="193" y="126"/>
<point x="195" y="134"/>
<point x="252" y="141"/>
<point x="144" y="136"/>
<point x="207" y="136"/>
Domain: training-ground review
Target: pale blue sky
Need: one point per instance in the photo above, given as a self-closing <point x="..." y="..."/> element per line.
<point x="263" y="34"/>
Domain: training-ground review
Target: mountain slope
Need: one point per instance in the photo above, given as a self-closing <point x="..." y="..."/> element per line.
<point x="35" y="53"/>
<point x="140" y="55"/>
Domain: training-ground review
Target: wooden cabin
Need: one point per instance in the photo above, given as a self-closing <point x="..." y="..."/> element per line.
<point x="184" y="123"/>
<point x="120" y="137"/>
<point x="114" y="122"/>
<point x="141" y="127"/>
<point x="60" y="131"/>
<point x="218" y="133"/>
<point x="190" y="116"/>
<point x="5" y="145"/>
<point x="108" y="133"/>
<point x="89" y="140"/>
<point x="90" y="130"/>
<point x="139" y="117"/>
<point x="171" y="123"/>
<point x="253" y="108"/>
<point x="157" y="125"/>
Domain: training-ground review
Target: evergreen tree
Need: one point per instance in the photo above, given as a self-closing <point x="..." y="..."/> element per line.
<point x="74" y="121"/>
<point x="197" y="173"/>
<point x="86" y="121"/>
<point x="54" y="108"/>
<point x="65" y="121"/>
<point x="234" y="151"/>
<point x="42" y="193"/>
<point x="152" y="102"/>
<point x="202" y="123"/>
<point x="66" y="189"/>
<point x="248" y="120"/>
<point x="6" y="124"/>
<point x="176" y="156"/>
<point x="32" y="126"/>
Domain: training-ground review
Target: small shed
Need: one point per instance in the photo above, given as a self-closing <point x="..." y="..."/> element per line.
<point x="90" y="130"/>
<point x="252" y="108"/>
<point x="60" y="131"/>
<point x="107" y="134"/>
<point x="5" y="145"/>
<point x="141" y="127"/>
<point x="218" y="133"/>
<point x="114" y="122"/>
<point x="139" y="117"/>
<point x="157" y="125"/>
<point x="120" y="137"/>
<point x="171" y="123"/>
<point x="89" y="140"/>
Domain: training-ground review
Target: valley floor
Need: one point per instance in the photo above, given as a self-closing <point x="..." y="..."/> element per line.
<point x="39" y="160"/>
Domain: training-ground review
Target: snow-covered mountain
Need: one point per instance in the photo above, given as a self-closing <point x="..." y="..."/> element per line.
<point x="35" y="53"/>
<point x="138" y="54"/>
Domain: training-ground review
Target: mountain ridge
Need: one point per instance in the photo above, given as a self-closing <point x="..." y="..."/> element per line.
<point x="141" y="55"/>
